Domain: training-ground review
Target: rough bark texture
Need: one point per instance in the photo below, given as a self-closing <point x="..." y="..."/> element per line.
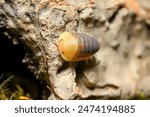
<point x="121" y="68"/>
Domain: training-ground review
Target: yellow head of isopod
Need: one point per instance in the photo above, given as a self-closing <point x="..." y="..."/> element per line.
<point x="68" y="46"/>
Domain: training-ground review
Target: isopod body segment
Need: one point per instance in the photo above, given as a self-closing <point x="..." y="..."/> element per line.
<point x="77" y="46"/>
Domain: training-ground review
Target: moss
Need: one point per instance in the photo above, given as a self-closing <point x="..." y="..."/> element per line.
<point x="3" y="89"/>
<point x="141" y="95"/>
<point x="8" y="94"/>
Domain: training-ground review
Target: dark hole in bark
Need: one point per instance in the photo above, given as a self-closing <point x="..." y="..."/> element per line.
<point x="62" y="68"/>
<point x="11" y="65"/>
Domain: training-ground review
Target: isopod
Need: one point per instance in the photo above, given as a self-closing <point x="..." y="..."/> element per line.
<point x="77" y="46"/>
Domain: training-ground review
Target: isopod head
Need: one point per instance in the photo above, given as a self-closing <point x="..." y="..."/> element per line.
<point x="68" y="46"/>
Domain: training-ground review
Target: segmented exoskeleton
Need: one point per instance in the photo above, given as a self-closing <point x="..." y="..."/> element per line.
<point x="77" y="46"/>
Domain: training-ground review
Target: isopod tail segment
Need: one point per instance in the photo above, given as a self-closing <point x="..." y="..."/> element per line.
<point x="77" y="46"/>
